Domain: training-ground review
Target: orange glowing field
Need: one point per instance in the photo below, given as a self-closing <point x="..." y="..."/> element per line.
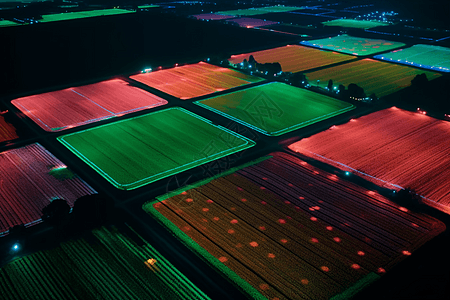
<point x="373" y="76"/>
<point x="7" y="130"/>
<point x="294" y="58"/>
<point x="195" y="80"/>
<point x="282" y="229"/>
<point x="393" y="148"/>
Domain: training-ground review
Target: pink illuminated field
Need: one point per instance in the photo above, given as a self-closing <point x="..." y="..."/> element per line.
<point x="195" y="80"/>
<point x="7" y="131"/>
<point x="294" y="58"/>
<point x="393" y="148"/>
<point x="251" y="22"/>
<point x="59" y="110"/>
<point x="31" y="178"/>
<point x="212" y="17"/>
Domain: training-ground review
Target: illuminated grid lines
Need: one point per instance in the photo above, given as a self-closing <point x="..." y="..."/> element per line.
<point x="431" y="57"/>
<point x="393" y="148"/>
<point x="293" y="58"/>
<point x="31" y="178"/>
<point x="373" y="76"/>
<point x="281" y="228"/>
<point x="353" y="45"/>
<point x="112" y="267"/>
<point x="135" y="152"/>
<point x="275" y="108"/>
<point x="72" y="107"/>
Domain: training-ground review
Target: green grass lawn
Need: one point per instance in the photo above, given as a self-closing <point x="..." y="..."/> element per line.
<point x="138" y="151"/>
<point x="83" y="14"/>
<point x="352" y="23"/>
<point x="275" y="108"/>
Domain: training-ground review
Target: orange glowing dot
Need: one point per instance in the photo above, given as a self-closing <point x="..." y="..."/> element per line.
<point x="157" y="205"/>
<point x="263" y="202"/>
<point x="325" y="269"/>
<point x="263" y="188"/>
<point x="403" y="209"/>
<point x="314" y="240"/>
<point x="204" y="220"/>
<point x="371" y="192"/>
<point x="316" y="207"/>
<point x="320" y="201"/>
<point x="281" y="221"/>
<point x="316" y="172"/>
<point x="301" y="198"/>
<point x="223" y="259"/>
<point x="151" y="261"/>
<point x="244" y="200"/>
<point x="271" y="255"/>
<point x="209" y="201"/>
<point x="415" y="225"/>
<point x="311" y="208"/>
<point x="336" y="239"/>
<point x="355" y="266"/>
<point x="405" y="252"/>
<point x="239" y="189"/>
<point x="264" y="178"/>
<point x="189" y="200"/>
<point x="233" y="208"/>
<point x="361" y="253"/>
<point x="381" y="270"/>
<point x="284" y="241"/>
<point x="231" y="231"/>
<point x="254" y="244"/>
<point x="290" y="184"/>
<point x="329" y="228"/>
<point x="313" y="219"/>
<point x="234" y="221"/>
<point x="216" y="219"/>
<point x="183" y="193"/>
<point x="287" y="202"/>
<point x="264" y="286"/>
<point x="205" y="209"/>
<point x="275" y="298"/>
<point x="262" y="228"/>
<point x="304" y="281"/>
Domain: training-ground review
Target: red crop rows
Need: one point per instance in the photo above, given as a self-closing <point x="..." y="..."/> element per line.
<point x="390" y="147"/>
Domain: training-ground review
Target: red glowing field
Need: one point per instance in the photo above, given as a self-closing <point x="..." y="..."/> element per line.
<point x="293" y="58"/>
<point x="59" y="110"/>
<point x="393" y="148"/>
<point x="195" y="80"/>
<point x="7" y="130"/>
<point x="282" y="229"/>
<point x="31" y="178"/>
<point x="251" y="22"/>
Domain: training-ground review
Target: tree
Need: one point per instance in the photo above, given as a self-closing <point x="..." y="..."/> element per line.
<point x="408" y="197"/>
<point x="56" y="213"/>
<point x="420" y="81"/>
<point x="341" y="88"/>
<point x="92" y="210"/>
<point x="356" y="91"/>
<point x="251" y="60"/>
<point x="330" y="85"/>
<point x="373" y="97"/>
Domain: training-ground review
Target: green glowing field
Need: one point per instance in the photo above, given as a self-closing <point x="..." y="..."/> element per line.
<point x="353" y="45"/>
<point x="6" y="23"/>
<point x="275" y="108"/>
<point x="259" y="10"/>
<point x="83" y="14"/>
<point x="138" y="151"/>
<point x="147" y="6"/>
<point x="352" y="23"/>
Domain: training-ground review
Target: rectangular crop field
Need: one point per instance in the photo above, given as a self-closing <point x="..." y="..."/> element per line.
<point x="7" y="130"/>
<point x="6" y="23"/>
<point x="282" y="229"/>
<point x="259" y="10"/>
<point x="293" y="58"/>
<point x="195" y="80"/>
<point x="352" y="23"/>
<point x="393" y="148"/>
<point x="275" y="108"/>
<point x="59" y="110"/>
<point x="83" y="14"/>
<point x="431" y="57"/>
<point x="373" y="76"/>
<point x="353" y="45"/>
<point x="108" y="265"/>
<point x="211" y="16"/>
<point x="31" y="178"/>
<point x="138" y="151"/>
<point x="251" y="22"/>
